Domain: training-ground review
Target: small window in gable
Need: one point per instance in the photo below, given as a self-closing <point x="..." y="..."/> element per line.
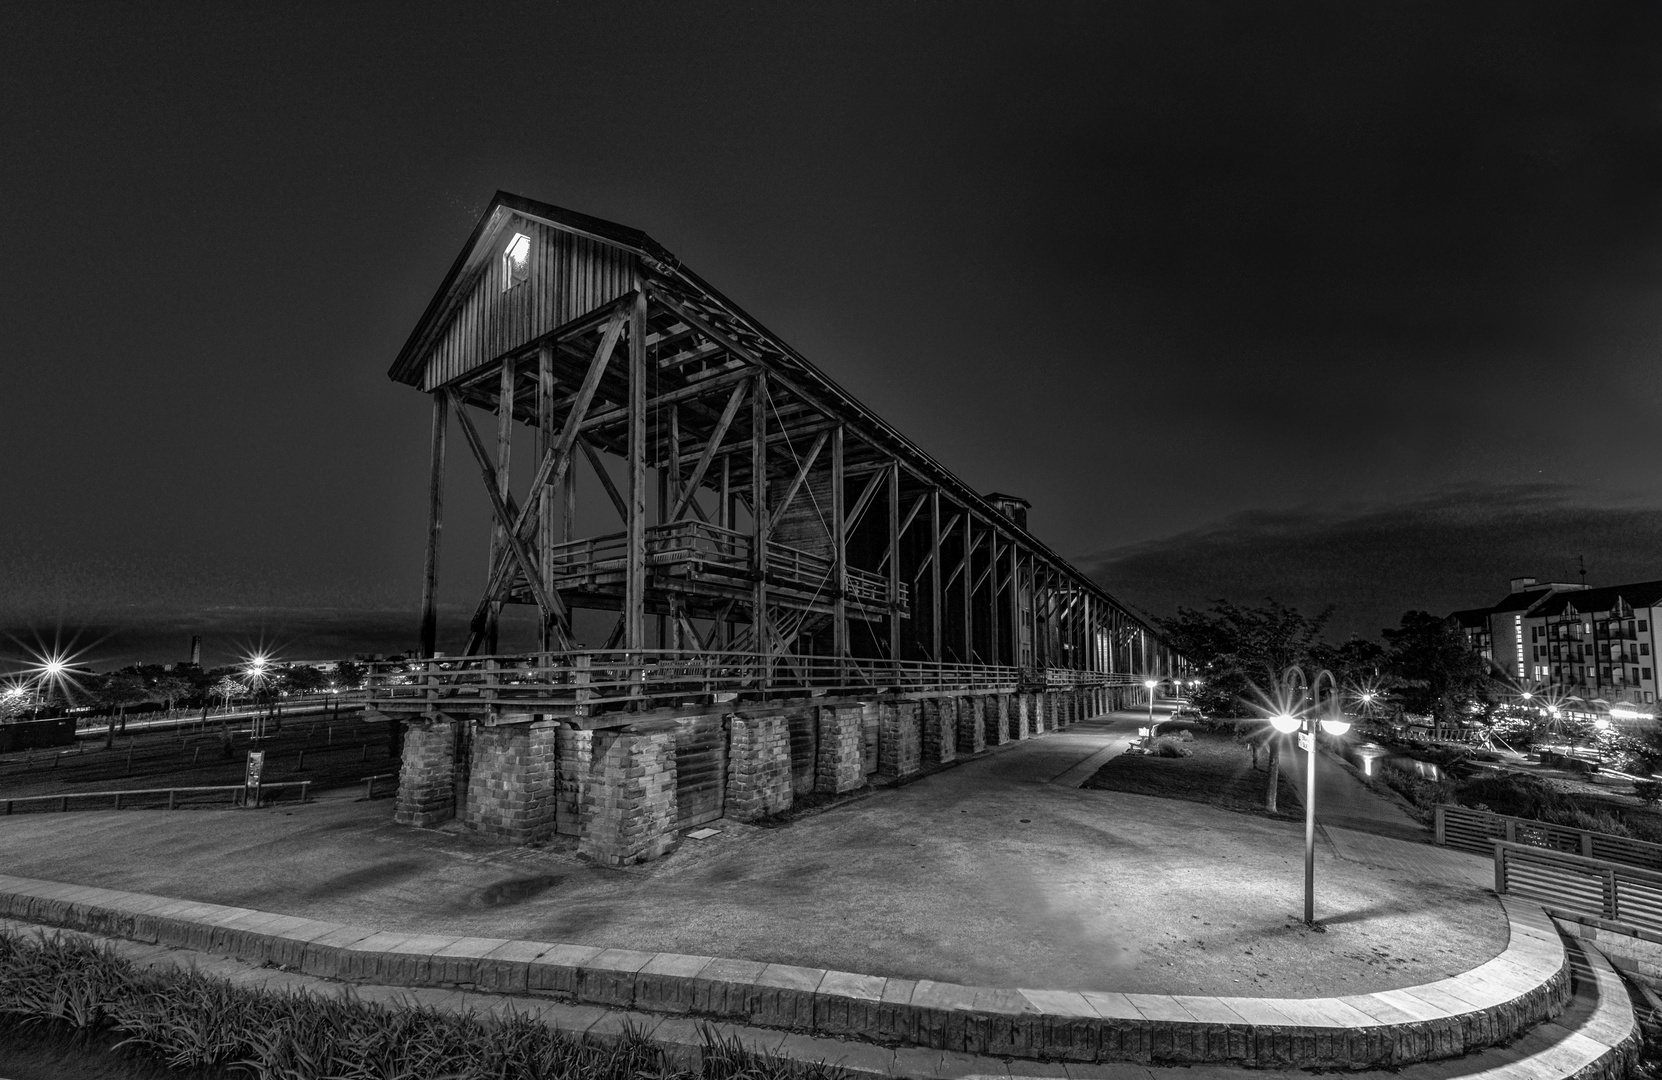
<point x="516" y="261"/>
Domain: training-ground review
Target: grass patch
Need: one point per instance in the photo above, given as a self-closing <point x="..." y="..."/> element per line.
<point x="74" y="998"/>
<point x="1218" y="772"/>
<point x="164" y="759"/>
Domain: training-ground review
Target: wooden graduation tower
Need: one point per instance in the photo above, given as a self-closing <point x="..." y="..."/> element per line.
<point x="760" y="509"/>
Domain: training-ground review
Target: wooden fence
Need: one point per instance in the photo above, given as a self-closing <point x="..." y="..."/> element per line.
<point x="1580" y="885"/>
<point x="153" y="796"/>
<point x="1477" y="830"/>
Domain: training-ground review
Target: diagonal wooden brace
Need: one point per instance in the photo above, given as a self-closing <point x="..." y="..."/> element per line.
<point x="549" y="602"/>
<point x="729" y="411"/>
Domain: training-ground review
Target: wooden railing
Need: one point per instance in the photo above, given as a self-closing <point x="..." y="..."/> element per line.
<point x="1477" y="830"/>
<point x="586" y="681"/>
<point x="238" y="793"/>
<point x="714" y="548"/>
<point x="1580" y="885"/>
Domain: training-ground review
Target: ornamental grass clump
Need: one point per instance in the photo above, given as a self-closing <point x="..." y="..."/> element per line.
<point x="206" y="1025"/>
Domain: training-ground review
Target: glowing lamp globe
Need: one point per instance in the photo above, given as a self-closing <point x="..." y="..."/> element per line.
<point x="1284" y="723"/>
<point x="1335" y="727"/>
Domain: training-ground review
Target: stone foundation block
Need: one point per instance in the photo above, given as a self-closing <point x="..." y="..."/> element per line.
<point x="427" y="773"/>
<point x="630" y="804"/>
<point x="972" y="732"/>
<point x="758" y="767"/>
<point x="996" y="718"/>
<point x="1021" y="722"/>
<point x="575" y="751"/>
<point x="513" y="782"/>
<point x="940" y="730"/>
<point x="899" y="739"/>
<point x="839" y="766"/>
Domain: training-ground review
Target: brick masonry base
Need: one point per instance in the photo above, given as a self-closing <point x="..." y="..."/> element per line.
<point x="758" y="767"/>
<point x="426" y="775"/>
<point x="513" y="782"/>
<point x="630" y="804"/>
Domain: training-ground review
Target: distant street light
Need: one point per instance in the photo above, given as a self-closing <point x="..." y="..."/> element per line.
<point x="1335" y="724"/>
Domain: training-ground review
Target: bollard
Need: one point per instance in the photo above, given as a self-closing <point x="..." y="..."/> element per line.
<point x="369" y="788"/>
<point x="194" y="758"/>
<point x="365" y="755"/>
<point x="304" y="785"/>
<point x="331" y="739"/>
<point x="301" y="763"/>
<point x="129" y="759"/>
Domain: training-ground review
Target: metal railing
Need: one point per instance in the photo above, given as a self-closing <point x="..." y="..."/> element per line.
<point x="1582" y="885"/>
<point x="1478" y="830"/>
<point x="239" y="795"/>
<point x="586" y="681"/>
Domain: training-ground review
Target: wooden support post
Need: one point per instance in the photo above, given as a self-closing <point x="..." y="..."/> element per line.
<point x="839" y="552"/>
<point x="759" y="523"/>
<point x="1015" y="603"/>
<point x="935" y="597"/>
<point x="894" y="565"/>
<point x="435" y="524"/>
<point x="634" y="586"/>
<point x="499" y="532"/>
<point x="968" y="588"/>
<point x="547" y="506"/>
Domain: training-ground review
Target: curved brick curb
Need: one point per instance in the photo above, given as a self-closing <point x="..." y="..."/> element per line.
<point x="1493" y="1003"/>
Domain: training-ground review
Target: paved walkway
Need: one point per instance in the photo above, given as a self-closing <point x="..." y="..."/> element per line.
<point x="1344" y="801"/>
<point x="979" y="1029"/>
<point x="991" y="873"/>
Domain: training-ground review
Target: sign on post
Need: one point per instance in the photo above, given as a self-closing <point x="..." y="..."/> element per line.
<point x="256" y="765"/>
<point x="1304" y="741"/>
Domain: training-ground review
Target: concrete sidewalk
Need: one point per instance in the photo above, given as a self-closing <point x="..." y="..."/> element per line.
<point x="992" y="873"/>
<point x="1344" y="801"/>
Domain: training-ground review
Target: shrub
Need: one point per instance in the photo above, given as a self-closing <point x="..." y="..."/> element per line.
<point x="194" y="1021"/>
<point x="1169" y="748"/>
<point x="1649" y="791"/>
<point x="1574" y="817"/>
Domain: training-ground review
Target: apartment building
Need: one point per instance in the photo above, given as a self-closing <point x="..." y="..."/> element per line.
<point x="1591" y="642"/>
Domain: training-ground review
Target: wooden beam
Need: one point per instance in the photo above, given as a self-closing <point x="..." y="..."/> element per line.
<point x="604" y="477"/>
<point x="935" y="596"/>
<point x="873" y="486"/>
<point x="548" y="602"/>
<point x="504" y="454"/>
<point x="969" y="610"/>
<point x="634" y="588"/>
<point x="728" y="412"/>
<point x="556" y="461"/>
<point x="894" y="562"/>
<point x="839" y="548"/>
<point x="796" y="482"/>
<point x="435" y="526"/>
<point x="546" y="502"/>
<point x="905" y="523"/>
<point x="759" y="513"/>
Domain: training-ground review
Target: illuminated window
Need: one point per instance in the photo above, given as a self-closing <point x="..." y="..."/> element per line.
<point x="516" y="261"/>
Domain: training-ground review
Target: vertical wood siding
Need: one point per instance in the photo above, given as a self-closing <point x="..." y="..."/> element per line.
<point x="569" y="277"/>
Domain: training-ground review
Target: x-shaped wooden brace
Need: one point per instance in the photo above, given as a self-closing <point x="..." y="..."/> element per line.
<point x="555" y="464"/>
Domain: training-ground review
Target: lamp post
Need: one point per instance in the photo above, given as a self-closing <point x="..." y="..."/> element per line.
<point x="1334" y="724"/>
<point x="1151" y="684"/>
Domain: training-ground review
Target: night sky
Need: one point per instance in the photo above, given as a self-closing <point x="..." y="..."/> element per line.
<point x="1344" y="302"/>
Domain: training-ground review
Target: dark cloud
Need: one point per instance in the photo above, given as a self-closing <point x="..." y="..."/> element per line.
<point x="1456" y="548"/>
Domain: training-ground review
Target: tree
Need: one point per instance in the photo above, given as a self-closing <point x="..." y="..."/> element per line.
<point x="116" y="691"/>
<point x="169" y="688"/>
<point x="301" y="679"/>
<point x="1435" y="672"/>
<point x="1235" y="649"/>
<point x="349" y="676"/>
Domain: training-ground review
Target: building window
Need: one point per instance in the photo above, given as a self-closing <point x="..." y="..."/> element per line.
<point x="1644" y="648"/>
<point x="1643" y="625"/>
<point x="1646" y="671"/>
<point x="516" y="261"/>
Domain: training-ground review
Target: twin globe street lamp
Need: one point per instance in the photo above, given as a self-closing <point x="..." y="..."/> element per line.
<point x="1286" y="722"/>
